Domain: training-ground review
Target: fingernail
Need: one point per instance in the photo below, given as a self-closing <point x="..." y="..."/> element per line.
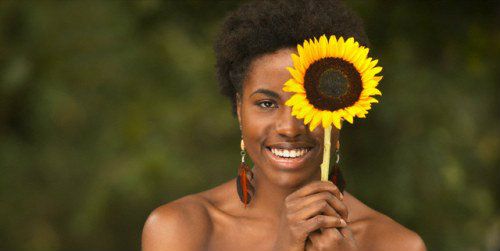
<point x="343" y="223"/>
<point x="341" y="196"/>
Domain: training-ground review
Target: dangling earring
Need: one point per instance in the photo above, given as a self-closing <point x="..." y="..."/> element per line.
<point x="244" y="179"/>
<point x="336" y="175"/>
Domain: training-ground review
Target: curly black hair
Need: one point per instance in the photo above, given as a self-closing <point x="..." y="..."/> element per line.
<point x="261" y="27"/>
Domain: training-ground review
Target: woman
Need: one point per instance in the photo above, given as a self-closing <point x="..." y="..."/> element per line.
<point x="291" y="208"/>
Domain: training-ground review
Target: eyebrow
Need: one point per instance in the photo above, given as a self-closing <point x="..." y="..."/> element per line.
<point x="266" y="92"/>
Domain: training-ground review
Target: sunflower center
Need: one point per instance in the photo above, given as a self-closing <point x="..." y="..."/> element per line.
<point x="332" y="84"/>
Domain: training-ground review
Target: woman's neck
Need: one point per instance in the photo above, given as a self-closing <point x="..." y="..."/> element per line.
<point x="269" y="197"/>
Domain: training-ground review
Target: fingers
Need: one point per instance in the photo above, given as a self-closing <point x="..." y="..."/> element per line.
<point x="332" y="239"/>
<point x="323" y="221"/>
<point x="324" y="240"/>
<point x="316" y="187"/>
<point x="315" y="208"/>
<point x="334" y="206"/>
<point x="318" y="207"/>
<point x="347" y="233"/>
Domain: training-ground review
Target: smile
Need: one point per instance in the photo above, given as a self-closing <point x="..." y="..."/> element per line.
<point x="289" y="153"/>
<point x="288" y="157"/>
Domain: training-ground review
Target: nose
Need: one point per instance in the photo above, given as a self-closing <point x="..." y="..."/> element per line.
<point x="287" y="125"/>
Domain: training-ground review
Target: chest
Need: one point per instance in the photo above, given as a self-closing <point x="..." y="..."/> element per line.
<point x="242" y="235"/>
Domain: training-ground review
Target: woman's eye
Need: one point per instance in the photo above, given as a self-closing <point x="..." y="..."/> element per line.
<point x="266" y="104"/>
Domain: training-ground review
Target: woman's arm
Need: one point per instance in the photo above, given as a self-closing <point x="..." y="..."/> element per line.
<point x="182" y="225"/>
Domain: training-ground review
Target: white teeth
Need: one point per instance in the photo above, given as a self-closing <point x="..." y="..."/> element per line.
<point x="289" y="153"/>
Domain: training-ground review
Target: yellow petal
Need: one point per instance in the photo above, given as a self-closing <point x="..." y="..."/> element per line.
<point x="332" y="44"/>
<point x="347" y="116"/>
<point x="327" y="119"/>
<point x="369" y="100"/>
<point x="352" y="110"/>
<point x="370" y="84"/>
<point x="341" y="47"/>
<point x="360" y="58"/>
<point x="372" y="64"/>
<point x="370" y="74"/>
<point x="305" y="63"/>
<point x="316" y="120"/>
<point x="300" y="50"/>
<point x="371" y="91"/>
<point x="307" y="56"/>
<point x="348" y="48"/>
<point x="354" y="51"/>
<point x="315" y="49"/>
<point x="365" y="65"/>
<point x="296" y="75"/>
<point x="337" y="46"/>
<point x="290" y="82"/>
<point x="304" y="111"/>
<point x="309" y="116"/>
<point x="363" y="104"/>
<point x="301" y="104"/>
<point x="310" y="51"/>
<point x="375" y="70"/>
<point x="295" y="99"/>
<point x="297" y="64"/>
<point x="355" y="54"/>
<point x="303" y="56"/>
<point x="361" y="114"/>
<point x="336" y="119"/>
<point x="293" y="87"/>
<point x="323" y="45"/>
<point x="295" y="110"/>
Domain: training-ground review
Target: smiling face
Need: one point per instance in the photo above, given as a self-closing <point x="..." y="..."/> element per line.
<point x="282" y="148"/>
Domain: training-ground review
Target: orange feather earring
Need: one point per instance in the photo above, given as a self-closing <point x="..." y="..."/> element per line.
<point x="244" y="179"/>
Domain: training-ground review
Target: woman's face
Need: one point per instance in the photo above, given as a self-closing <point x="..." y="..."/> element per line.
<point x="281" y="146"/>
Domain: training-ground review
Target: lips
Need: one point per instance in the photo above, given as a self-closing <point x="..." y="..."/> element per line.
<point x="288" y="156"/>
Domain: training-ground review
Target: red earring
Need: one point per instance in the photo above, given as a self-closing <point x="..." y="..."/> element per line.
<point x="244" y="179"/>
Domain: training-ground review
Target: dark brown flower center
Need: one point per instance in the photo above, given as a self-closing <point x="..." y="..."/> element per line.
<point x="332" y="84"/>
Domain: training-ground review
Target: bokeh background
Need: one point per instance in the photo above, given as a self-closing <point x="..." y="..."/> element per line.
<point x="109" y="109"/>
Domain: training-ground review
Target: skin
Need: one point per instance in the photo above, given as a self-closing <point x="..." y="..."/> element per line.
<point x="292" y="210"/>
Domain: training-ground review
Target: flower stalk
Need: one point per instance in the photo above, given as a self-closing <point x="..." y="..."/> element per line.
<point x="325" y="165"/>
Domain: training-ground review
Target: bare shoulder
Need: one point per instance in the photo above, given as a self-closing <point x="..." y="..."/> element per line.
<point x="181" y="225"/>
<point x="379" y="232"/>
<point x="394" y="236"/>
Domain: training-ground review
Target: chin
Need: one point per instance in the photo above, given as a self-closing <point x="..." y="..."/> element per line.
<point x="294" y="180"/>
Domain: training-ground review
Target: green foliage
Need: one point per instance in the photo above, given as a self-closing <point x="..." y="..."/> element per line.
<point x="109" y="109"/>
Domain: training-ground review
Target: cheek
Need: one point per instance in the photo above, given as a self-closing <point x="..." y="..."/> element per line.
<point x="318" y="135"/>
<point x="256" y="129"/>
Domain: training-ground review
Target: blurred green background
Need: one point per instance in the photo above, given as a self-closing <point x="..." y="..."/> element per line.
<point x="109" y="109"/>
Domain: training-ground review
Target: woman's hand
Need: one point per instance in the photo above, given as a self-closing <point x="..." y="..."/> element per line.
<point x="330" y="239"/>
<point x="317" y="206"/>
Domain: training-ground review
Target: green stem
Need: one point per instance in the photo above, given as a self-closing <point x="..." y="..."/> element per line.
<point x="325" y="166"/>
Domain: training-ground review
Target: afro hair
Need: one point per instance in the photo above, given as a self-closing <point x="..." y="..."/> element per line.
<point x="261" y="27"/>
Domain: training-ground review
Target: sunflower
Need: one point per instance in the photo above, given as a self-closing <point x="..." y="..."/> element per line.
<point x="332" y="80"/>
